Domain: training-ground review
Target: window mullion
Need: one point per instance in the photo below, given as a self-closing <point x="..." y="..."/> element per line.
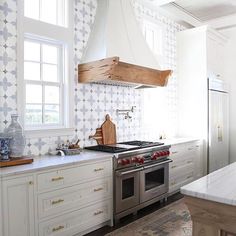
<point x="41" y="79"/>
<point x="40" y="10"/>
<point x="43" y="103"/>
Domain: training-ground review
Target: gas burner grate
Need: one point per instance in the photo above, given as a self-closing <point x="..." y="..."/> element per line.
<point x="104" y="148"/>
<point x="142" y="143"/>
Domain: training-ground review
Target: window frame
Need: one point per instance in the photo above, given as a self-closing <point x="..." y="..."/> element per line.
<point x="45" y="32"/>
<point x="160" y="26"/>
<point x="59" y="83"/>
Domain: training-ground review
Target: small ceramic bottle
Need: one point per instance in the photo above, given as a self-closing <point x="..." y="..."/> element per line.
<point x="17" y="143"/>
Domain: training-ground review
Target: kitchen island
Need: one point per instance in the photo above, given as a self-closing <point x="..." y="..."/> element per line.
<point x="211" y="201"/>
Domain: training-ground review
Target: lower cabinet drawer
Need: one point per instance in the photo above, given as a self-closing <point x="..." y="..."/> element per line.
<point x="177" y="181"/>
<point x="75" y="197"/>
<point x="62" y="178"/>
<point x="77" y="221"/>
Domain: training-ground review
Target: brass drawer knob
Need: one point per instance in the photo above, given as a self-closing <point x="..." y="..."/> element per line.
<point x="31" y="182"/>
<point x="98" y="169"/>
<point x="57" y="201"/>
<point x="60" y="227"/>
<point x="98" y="189"/>
<point x="98" y="213"/>
<point x="57" y="178"/>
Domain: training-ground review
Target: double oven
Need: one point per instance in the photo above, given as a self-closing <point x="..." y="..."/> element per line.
<point x="141" y="174"/>
<point x="140" y="185"/>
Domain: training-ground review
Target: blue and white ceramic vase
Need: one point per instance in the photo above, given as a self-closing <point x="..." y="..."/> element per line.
<point x="17" y="143"/>
<point x="4" y="148"/>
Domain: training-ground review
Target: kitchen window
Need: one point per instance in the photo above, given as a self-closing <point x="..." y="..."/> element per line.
<point x="45" y="66"/>
<point x="43" y="82"/>
<point x="49" y="11"/>
<point x="154" y="35"/>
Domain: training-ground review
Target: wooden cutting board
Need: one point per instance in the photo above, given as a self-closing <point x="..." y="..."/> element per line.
<point x="16" y="162"/>
<point x="108" y="131"/>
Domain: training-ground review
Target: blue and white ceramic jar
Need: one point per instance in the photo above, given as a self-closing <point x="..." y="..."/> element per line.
<point x="4" y="148"/>
<point x="15" y="132"/>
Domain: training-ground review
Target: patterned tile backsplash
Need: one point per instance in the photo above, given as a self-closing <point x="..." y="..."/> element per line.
<point x="92" y="101"/>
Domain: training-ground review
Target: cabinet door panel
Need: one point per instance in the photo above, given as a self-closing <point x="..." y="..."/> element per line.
<point x="18" y="207"/>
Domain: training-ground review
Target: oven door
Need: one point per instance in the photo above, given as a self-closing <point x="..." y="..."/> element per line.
<point x="127" y="189"/>
<point x="154" y="180"/>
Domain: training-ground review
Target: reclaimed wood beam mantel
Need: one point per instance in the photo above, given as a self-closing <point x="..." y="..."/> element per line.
<point x="112" y="70"/>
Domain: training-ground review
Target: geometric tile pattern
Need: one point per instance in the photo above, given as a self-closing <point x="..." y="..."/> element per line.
<point x="92" y="101"/>
<point x="170" y="61"/>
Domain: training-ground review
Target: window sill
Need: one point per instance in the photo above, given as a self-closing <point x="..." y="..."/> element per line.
<point x="52" y="132"/>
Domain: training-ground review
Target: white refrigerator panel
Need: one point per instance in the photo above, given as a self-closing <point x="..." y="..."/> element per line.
<point x="218" y="130"/>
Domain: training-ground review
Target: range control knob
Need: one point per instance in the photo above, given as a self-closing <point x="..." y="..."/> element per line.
<point x="141" y="160"/>
<point x="154" y="156"/>
<point x="157" y="154"/>
<point x="134" y="160"/>
<point x="122" y="162"/>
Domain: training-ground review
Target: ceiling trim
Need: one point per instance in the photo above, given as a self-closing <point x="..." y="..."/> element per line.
<point x="161" y="2"/>
<point x="181" y="14"/>
<point x="223" y="22"/>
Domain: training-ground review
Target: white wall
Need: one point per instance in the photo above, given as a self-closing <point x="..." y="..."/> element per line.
<point x="230" y="75"/>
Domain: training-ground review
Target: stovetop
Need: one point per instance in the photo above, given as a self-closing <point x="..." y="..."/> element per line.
<point x="124" y="146"/>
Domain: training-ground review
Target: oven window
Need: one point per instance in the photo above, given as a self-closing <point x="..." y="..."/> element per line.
<point x="127" y="188"/>
<point x="154" y="179"/>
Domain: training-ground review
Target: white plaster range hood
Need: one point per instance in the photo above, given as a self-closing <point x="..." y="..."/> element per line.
<point x="117" y="51"/>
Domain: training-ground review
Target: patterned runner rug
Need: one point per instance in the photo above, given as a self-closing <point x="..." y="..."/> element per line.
<point x="172" y="220"/>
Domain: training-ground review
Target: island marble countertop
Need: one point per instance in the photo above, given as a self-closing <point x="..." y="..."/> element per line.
<point x="47" y="162"/>
<point x="219" y="186"/>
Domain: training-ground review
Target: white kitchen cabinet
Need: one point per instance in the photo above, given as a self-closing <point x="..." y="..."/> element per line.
<point x="70" y="200"/>
<point x="62" y="178"/>
<point x="74" y="200"/>
<point x="186" y="166"/>
<point x="1" y="213"/>
<point x="18" y="206"/>
<point x="200" y="54"/>
<point x="76" y="221"/>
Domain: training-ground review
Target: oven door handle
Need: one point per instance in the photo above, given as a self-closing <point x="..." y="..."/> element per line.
<point x="128" y="171"/>
<point x="157" y="164"/>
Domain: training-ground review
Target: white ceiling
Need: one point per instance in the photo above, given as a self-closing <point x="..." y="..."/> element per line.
<point x="205" y="10"/>
<point x="220" y="14"/>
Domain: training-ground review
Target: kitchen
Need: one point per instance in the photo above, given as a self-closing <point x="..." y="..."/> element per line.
<point x="46" y="58"/>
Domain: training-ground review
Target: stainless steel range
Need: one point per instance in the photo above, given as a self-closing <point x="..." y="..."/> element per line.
<point x="141" y="174"/>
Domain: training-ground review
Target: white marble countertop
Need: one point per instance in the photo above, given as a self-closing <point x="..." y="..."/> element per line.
<point x="219" y="186"/>
<point x="46" y="162"/>
<point x="175" y="141"/>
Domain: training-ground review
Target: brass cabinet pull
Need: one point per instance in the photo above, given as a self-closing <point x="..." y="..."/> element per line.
<point x="60" y="227"/>
<point x="97" y="189"/>
<point x="31" y="182"/>
<point x="189" y="177"/>
<point x="173" y="167"/>
<point x="98" y="213"/>
<point x="98" y="169"/>
<point x="174" y="152"/>
<point x="57" y="201"/>
<point x="57" y="178"/>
